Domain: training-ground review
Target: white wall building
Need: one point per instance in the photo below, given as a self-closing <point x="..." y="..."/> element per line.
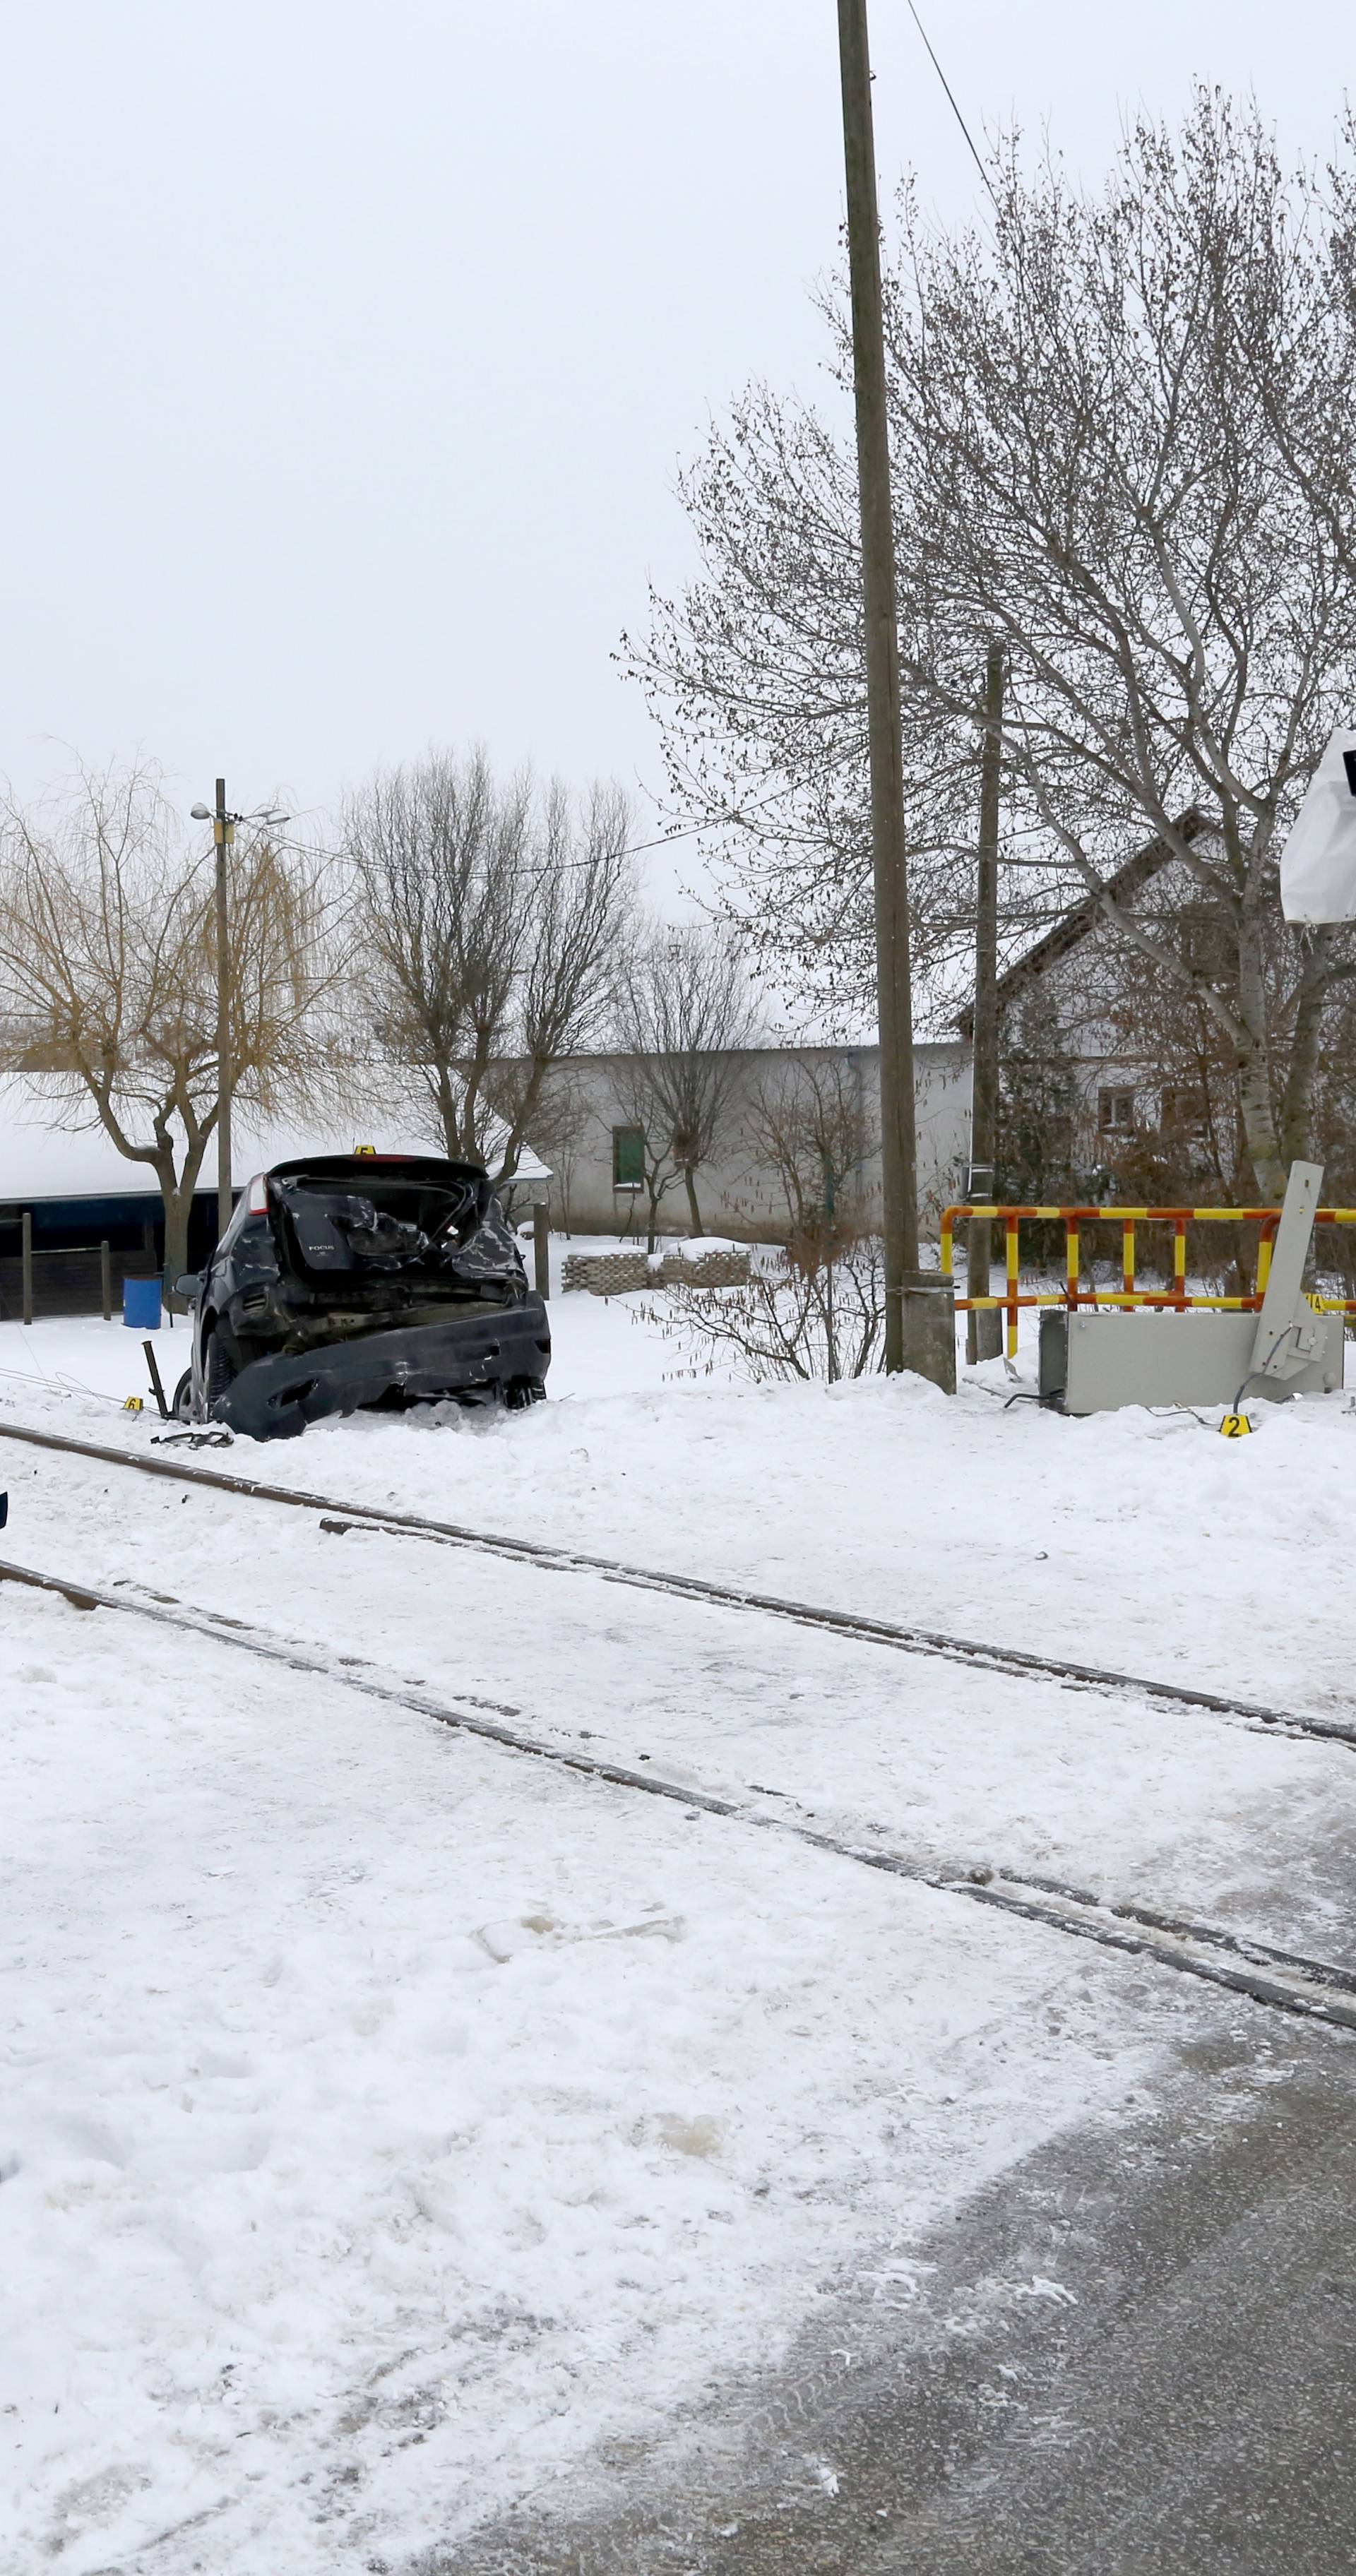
<point x="595" y="1176"/>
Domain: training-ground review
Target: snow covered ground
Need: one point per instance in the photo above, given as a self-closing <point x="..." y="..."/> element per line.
<point x="388" y="2120"/>
<point x="603" y="1345"/>
<point x="393" y="2122"/>
<point x="1133" y="1539"/>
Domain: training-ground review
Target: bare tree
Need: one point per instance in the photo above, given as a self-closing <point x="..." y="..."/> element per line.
<point x="793" y="1319"/>
<point x="808" y="1130"/>
<point x="755" y="677"/>
<point x="684" y="1014"/>
<point x="108" y="990"/>
<point x="815" y="1307"/>
<point x="1121" y="433"/>
<point x="580" y="898"/>
<point x="438" y="851"/>
<point x="493" y="917"/>
<point x="1087" y="418"/>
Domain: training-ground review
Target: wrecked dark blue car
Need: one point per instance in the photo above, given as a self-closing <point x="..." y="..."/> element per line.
<point x="350" y="1280"/>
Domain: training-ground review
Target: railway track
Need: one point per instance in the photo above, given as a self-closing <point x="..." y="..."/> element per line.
<point x="1284" y="1981"/>
<point x="339" y="1517"/>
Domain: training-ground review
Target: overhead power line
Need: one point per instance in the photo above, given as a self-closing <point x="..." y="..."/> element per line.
<point x="954" y="104"/>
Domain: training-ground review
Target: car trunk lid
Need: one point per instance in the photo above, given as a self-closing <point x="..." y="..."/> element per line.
<point x="384" y="1232"/>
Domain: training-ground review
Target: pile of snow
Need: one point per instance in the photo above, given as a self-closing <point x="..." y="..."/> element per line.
<point x="695" y="1247"/>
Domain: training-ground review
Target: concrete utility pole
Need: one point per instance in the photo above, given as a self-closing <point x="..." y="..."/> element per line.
<point x="223" y="833"/>
<point x="983" y="1338"/>
<point x="895" y="1002"/>
<point x="223" y="823"/>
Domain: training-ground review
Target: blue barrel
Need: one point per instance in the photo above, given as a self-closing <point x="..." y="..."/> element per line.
<point x="141" y="1304"/>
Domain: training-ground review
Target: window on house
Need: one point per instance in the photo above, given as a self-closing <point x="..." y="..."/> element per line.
<point x="628" y="1158"/>
<point x="1116" y="1112"/>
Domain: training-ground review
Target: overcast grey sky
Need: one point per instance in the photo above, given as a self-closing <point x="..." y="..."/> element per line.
<point x="349" y="351"/>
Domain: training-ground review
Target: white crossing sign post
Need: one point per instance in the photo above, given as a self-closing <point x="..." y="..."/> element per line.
<point x="1290" y="1335"/>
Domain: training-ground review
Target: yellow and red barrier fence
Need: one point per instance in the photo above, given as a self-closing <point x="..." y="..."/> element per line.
<point x="1129" y="1219"/>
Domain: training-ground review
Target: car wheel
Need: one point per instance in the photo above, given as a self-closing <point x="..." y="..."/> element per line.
<point x="182" y="1407"/>
<point x="522" y="1391"/>
<point x="218" y="1371"/>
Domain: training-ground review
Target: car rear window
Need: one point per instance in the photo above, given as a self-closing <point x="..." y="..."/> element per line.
<point x="380" y="1225"/>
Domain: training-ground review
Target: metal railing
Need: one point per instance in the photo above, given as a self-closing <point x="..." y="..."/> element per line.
<point x="1129" y="1219"/>
<point x="70" y="1279"/>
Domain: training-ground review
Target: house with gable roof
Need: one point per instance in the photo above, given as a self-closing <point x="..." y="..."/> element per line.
<point x="1081" y="1041"/>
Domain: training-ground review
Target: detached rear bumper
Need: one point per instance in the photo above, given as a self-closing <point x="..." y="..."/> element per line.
<point x="275" y="1399"/>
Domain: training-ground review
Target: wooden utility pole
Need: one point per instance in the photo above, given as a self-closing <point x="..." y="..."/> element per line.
<point x="223" y="833"/>
<point x="895" y="1002"/>
<point x="983" y="1338"/>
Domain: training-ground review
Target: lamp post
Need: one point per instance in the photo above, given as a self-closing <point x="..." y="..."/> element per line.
<point x="223" y="824"/>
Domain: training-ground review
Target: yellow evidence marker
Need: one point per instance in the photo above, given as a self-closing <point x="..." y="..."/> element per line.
<point x="133" y="1404"/>
<point x="1235" y="1426"/>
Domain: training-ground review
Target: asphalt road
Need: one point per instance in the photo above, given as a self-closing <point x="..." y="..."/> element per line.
<point x="1135" y="2356"/>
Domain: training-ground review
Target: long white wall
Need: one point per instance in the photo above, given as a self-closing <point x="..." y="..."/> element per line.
<point x="736" y="1197"/>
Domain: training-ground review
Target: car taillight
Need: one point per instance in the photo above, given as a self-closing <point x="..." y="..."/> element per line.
<point x="258" y="1197"/>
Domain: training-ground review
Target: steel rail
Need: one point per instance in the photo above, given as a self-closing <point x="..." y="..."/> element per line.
<point x="1283" y="1980"/>
<point x="340" y="1517"/>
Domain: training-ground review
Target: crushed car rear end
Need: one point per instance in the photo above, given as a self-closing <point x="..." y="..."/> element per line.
<point x="356" y="1280"/>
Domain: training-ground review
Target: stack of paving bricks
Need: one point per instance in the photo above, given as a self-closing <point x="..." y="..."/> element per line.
<point x="723" y="1269"/>
<point x="606" y="1274"/>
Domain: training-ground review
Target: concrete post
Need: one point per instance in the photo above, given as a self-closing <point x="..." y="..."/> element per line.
<point x="984" y="1332"/>
<point x="930" y="1326"/>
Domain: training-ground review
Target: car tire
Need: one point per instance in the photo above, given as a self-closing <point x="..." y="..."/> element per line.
<point x="182" y="1407"/>
<point x="522" y="1391"/>
<point x="218" y="1371"/>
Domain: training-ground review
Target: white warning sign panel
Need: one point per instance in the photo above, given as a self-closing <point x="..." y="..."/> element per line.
<point x="1318" y="863"/>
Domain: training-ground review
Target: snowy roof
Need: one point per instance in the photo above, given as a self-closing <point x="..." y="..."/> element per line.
<point x="41" y="1161"/>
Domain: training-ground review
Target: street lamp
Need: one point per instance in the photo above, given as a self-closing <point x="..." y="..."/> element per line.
<point x="223" y="824"/>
